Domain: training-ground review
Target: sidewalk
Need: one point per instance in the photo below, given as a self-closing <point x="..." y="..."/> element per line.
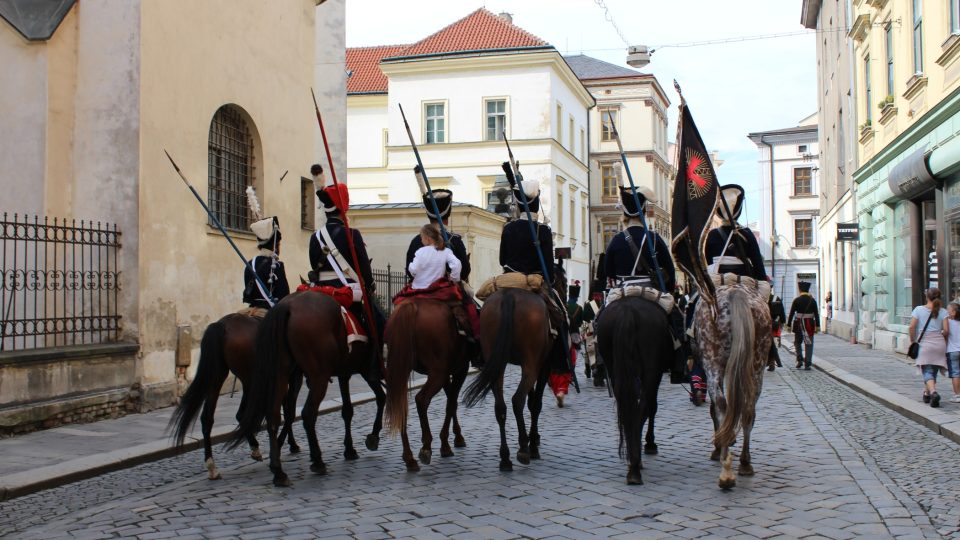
<point x="889" y="378"/>
<point x="53" y="457"/>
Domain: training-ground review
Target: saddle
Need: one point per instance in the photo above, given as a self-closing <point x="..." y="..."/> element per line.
<point x="443" y="290"/>
<point x="510" y="280"/>
<point x="344" y="297"/>
<point x="255" y="312"/>
<point x="662" y="299"/>
<point x="761" y="287"/>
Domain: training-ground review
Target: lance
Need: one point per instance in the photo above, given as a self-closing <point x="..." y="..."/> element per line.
<point x="636" y="201"/>
<point x="223" y="231"/>
<point x="367" y="306"/>
<point x="512" y="170"/>
<point x="422" y="175"/>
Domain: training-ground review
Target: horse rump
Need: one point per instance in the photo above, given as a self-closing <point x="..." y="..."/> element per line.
<point x="738" y="380"/>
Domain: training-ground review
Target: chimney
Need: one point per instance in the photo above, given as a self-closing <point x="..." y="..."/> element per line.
<point x="506" y="16"/>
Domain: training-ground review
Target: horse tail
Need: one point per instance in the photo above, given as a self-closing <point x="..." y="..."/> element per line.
<point x="629" y="348"/>
<point x="271" y="335"/>
<point x="400" y="362"/>
<point x="738" y="380"/>
<point x="211" y="362"/>
<point x="496" y="363"/>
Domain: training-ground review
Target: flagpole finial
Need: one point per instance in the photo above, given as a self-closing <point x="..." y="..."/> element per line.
<point x="677" y="86"/>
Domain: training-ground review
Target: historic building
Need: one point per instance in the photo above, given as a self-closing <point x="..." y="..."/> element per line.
<point x="93" y="92"/>
<point x="789" y="198"/>
<point x="836" y="118"/>
<point x="907" y="68"/>
<point x="637" y="105"/>
<point x="460" y="89"/>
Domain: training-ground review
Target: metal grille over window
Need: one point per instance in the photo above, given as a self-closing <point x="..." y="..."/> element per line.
<point x="496" y="119"/>
<point x="230" y="163"/>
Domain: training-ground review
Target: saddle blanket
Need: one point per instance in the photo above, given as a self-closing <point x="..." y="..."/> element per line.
<point x="255" y="312"/>
<point x="762" y="287"/>
<point x="355" y="331"/>
<point x="510" y="280"/>
<point x="664" y="300"/>
<point x="343" y="295"/>
<point x="442" y="289"/>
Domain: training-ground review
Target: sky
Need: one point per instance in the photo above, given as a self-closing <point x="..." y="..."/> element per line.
<point x="732" y="89"/>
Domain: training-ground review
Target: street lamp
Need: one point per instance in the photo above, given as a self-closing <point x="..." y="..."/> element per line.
<point x="638" y="56"/>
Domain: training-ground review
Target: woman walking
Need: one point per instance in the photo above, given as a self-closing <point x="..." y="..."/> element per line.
<point x="951" y="329"/>
<point x="928" y="321"/>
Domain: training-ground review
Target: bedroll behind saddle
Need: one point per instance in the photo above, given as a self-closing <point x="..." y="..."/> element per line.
<point x="762" y="287"/>
<point x="664" y="300"/>
<point x="510" y="280"/>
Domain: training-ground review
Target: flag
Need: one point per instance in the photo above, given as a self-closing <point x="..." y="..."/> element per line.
<point x="695" y="193"/>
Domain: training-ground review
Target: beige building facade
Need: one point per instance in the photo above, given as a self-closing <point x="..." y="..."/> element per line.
<point x="92" y="108"/>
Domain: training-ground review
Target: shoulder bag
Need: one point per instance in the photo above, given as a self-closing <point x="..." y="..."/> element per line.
<point x="914" y="350"/>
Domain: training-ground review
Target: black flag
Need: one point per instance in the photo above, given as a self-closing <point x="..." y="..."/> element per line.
<point x="695" y="193"/>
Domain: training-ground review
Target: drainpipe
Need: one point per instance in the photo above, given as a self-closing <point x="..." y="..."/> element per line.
<point x="773" y="222"/>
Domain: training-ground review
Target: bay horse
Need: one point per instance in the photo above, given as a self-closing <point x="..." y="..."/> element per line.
<point x="515" y="329"/>
<point x="227" y="347"/>
<point x="733" y="340"/>
<point x="635" y="343"/>
<point x="305" y="332"/>
<point x="423" y="337"/>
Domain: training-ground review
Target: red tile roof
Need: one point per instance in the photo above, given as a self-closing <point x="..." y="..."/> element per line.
<point x="480" y="30"/>
<point x="364" y="63"/>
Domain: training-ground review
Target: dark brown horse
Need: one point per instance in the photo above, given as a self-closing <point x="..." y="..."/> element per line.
<point x="515" y="329"/>
<point x="423" y="337"/>
<point x="305" y="332"/>
<point x="227" y="347"/>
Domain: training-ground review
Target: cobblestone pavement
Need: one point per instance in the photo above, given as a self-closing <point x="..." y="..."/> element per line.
<point x="829" y="463"/>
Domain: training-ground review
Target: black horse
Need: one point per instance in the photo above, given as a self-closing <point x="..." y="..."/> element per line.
<point x="634" y="340"/>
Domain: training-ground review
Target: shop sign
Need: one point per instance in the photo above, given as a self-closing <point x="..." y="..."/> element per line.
<point x="848" y="232"/>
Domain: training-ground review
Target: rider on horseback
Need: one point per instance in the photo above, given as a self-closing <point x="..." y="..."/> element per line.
<point x="329" y="243"/>
<point x="272" y="286"/>
<point x="466" y="315"/>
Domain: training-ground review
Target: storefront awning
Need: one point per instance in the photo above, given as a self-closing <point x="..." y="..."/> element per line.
<point x="911" y="177"/>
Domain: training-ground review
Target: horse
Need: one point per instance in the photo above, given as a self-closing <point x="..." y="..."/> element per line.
<point x="423" y="337"/>
<point x="515" y="329"/>
<point x="305" y="332"/>
<point x="634" y="340"/>
<point x="227" y="347"/>
<point x="733" y="340"/>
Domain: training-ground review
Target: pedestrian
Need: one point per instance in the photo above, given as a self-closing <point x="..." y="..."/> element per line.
<point x="951" y="329"/>
<point x="804" y="319"/>
<point x="932" y="355"/>
<point x="828" y="307"/>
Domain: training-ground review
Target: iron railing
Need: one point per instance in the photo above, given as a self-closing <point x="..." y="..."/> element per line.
<point x="60" y="282"/>
<point x="388" y="283"/>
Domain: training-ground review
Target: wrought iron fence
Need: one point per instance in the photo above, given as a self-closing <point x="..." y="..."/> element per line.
<point x="60" y="282"/>
<point x="388" y="283"/>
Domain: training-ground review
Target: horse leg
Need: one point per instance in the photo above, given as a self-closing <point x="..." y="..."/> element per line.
<point x="373" y="439"/>
<point x="280" y="478"/>
<point x="423" y="399"/>
<point x="412" y="465"/>
<point x="727" y="477"/>
<point x="457" y="384"/>
<point x="535" y="405"/>
<point x="346" y="412"/>
<point x="251" y="438"/>
<point x="500" y="410"/>
<point x="309" y="415"/>
<point x="633" y="434"/>
<point x="718" y="406"/>
<point x="519" y="401"/>
<point x="746" y="468"/>
<point x="206" y="425"/>
<point x="449" y="418"/>
<point x="651" y="411"/>
<point x="290" y="412"/>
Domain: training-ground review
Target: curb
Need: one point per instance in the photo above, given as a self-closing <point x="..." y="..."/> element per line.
<point x="31" y="481"/>
<point x="939" y="422"/>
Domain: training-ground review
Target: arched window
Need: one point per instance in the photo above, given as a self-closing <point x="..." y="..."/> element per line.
<point x="230" y="167"/>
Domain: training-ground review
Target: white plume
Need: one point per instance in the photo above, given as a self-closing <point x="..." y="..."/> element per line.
<point x="254" y="204"/>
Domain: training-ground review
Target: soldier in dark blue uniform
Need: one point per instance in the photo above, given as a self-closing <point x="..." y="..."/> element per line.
<point x="628" y="257"/>
<point x="267" y="266"/>
<point x="730" y="247"/>
<point x="325" y="263"/>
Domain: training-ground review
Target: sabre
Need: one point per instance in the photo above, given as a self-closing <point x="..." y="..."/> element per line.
<point x="423" y="175"/>
<point x="636" y="201"/>
<point x="367" y="306"/>
<point x="512" y="170"/>
<point x="223" y="231"/>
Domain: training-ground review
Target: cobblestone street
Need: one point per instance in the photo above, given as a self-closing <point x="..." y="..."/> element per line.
<point x="829" y="462"/>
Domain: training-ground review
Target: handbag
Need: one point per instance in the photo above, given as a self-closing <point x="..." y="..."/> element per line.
<point x="914" y="350"/>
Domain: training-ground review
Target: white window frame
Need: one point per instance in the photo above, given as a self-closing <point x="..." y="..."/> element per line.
<point x="445" y="118"/>
<point x="506" y="117"/>
<point x="616" y="120"/>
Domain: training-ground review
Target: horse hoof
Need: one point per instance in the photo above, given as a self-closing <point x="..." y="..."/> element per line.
<point x="425" y="456"/>
<point x="459" y="442"/>
<point x="214" y="475"/>
<point x="634" y="479"/>
<point x="350" y="454"/>
<point x="650" y="449"/>
<point x="282" y="480"/>
<point x="294" y="449"/>
<point x="319" y="468"/>
<point x="534" y="453"/>
<point x="372" y="442"/>
<point x="745" y="469"/>
<point x="445" y="451"/>
<point x="727" y="483"/>
<point x="506" y="466"/>
<point x="412" y="466"/>
<point x="523" y="457"/>
<point x="256" y="455"/>
<point x="715" y="455"/>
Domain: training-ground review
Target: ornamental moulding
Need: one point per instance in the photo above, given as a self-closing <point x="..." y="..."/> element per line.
<point x="860" y="26"/>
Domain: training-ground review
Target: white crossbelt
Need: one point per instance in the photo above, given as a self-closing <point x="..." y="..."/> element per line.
<point x="338" y="265"/>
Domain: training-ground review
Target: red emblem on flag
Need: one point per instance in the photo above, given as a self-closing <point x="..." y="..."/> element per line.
<point x="699" y="174"/>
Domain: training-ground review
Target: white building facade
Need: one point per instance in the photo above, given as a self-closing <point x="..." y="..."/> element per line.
<point x="460" y="93"/>
<point x="789" y="198"/>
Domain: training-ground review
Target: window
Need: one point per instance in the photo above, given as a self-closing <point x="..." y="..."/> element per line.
<point x="307" y="206"/>
<point x="888" y="36"/>
<point x="384" y="159"/>
<point x="607" y="115"/>
<point x="609" y="231"/>
<point x="803" y="181"/>
<point x="802" y="149"/>
<point x="803" y="233"/>
<point x="583" y="222"/>
<point x="841" y="144"/>
<point x="868" y="89"/>
<point x="496" y="114"/>
<point x="435" y="123"/>
<point x="559" y="206"/>
<point x="230" y="167"/>
<point x="608" y="178"/>
<point x="559" y="123"/>
<point x="573" y="215"/>
<point x="570" y="134"/>
<point x="917" y="37"/>
<point x="583" y="145"/>
<point x="954" y="6"/>
<point x="500" y="197"/>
